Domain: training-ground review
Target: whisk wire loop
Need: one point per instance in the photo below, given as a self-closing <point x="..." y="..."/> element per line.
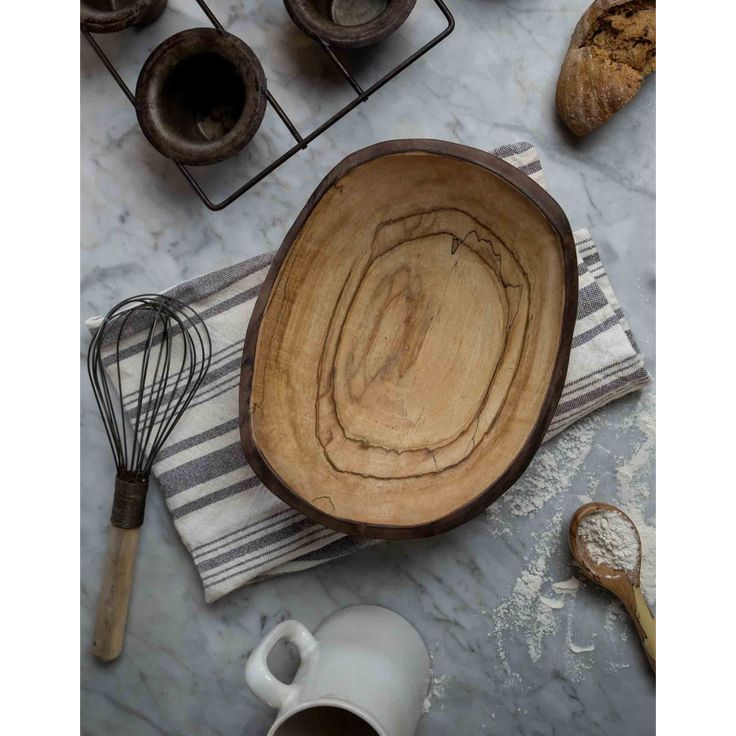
<point x="142" y="433"/>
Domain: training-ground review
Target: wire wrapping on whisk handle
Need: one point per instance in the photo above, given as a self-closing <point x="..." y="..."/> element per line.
<point x="129" y="503"/>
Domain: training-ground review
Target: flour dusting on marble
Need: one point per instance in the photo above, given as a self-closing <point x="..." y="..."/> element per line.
<point x="436" y="692"/>
<point x="539" y="608"/>
<point x="581" y="648"/>
<point x="566" y="586"/>
<point x="633" y="490"/>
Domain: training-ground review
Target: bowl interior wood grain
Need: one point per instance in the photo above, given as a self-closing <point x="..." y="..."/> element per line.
<point x="409" y="346"/>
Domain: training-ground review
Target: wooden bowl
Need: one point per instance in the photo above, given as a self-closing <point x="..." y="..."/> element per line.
<point x="314" y="17"/>
<point x="201" y="96"/>
<point x="409" y="345"/>
<point x="110" y="16"/>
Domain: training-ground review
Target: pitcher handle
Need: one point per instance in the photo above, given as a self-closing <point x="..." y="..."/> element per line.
<point x="259" y="677"/>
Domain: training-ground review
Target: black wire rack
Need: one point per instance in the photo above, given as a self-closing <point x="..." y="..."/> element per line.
<point x="301" y="141"/>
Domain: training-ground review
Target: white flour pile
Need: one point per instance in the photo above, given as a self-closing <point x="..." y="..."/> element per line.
<point x="607" y="457"/>
<point x="609" y="539"/>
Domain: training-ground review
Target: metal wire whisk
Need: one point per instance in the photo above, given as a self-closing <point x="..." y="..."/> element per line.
<point x="145" y="362"/>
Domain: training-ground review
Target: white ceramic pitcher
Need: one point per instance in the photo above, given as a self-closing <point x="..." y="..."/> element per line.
<point x="364" y="672"/>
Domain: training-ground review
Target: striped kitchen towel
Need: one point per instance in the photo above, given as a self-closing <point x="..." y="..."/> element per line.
<point x="234" y="528"/>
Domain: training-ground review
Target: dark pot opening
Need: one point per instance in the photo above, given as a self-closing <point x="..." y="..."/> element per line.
<point x="203" y="97"/>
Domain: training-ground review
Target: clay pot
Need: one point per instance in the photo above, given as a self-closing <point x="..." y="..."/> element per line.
<point x="201" y="96"/>
<point x="317" y="19"/>
<point x="110" y="16"/>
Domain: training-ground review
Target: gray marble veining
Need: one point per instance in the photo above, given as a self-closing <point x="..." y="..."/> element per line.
<point x="499" y="666"/>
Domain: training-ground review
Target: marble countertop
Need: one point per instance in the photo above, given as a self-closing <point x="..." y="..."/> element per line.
<point x="502" y="638"/>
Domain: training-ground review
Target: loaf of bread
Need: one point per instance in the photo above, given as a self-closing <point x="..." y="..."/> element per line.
<point x="612" y="49"/>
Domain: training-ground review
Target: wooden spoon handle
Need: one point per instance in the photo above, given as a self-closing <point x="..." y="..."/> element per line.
<point x="112" y="605"/>
<point x="645" y="625"/>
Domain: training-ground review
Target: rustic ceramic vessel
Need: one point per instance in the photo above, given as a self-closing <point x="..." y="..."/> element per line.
<point x="201" y="96"/>
<point x="317" y="19"/>
<point x="110" y="16"/>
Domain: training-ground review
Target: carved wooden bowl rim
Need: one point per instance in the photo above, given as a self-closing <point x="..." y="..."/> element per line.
<point x="555" y="217"/>
<point x="315" y="24"/>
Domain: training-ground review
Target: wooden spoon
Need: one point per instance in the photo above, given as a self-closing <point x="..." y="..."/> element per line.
<point x="624" y="584"/>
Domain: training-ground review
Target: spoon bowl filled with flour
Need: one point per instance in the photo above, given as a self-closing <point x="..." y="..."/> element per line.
<point x="608" y="542"/>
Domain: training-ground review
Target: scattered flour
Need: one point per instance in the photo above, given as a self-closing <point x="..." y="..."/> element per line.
<point x="614" y="610"/>
<point x="633" y="484"/>
<point x="609" y="539"/>
<point x="525" y="613"/>
<point x="564" y="475"/>
<point x="579" y="649"/>
<point x="570" y="585"/>
<point x="436" y="692"/>
<point x="615" y="614"/>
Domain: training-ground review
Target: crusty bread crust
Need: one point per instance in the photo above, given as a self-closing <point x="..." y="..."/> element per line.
<point x="612" y="49"/>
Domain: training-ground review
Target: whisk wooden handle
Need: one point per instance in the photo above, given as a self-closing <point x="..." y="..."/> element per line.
<point x="112" y="605"/>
